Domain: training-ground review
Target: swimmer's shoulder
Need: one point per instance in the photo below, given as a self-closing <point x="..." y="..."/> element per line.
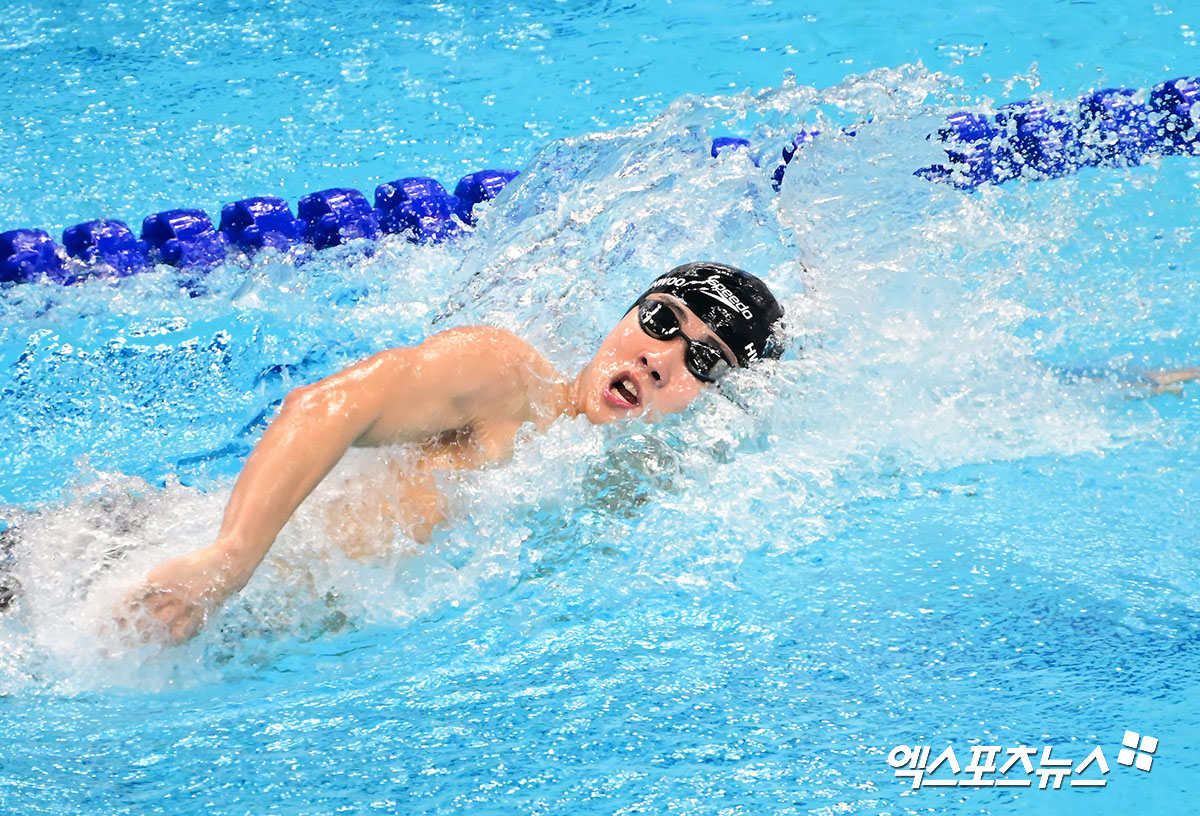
<point x="484" y="336"/>
<point x="504" y="353"/>
<point x="484" y="371"/>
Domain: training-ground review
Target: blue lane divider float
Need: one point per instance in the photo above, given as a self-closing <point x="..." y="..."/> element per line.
<point x="332" y="217"/>
<point x="183" y="238"/>
<point x="476" y="188"/>
<point x="1110" y="127"/>
<point x="27" y="254"/>
<point x="419" y="208"/>
<point x="262" y="221"/>
<point x="727" y="142"/>
<point x="108" y="242"/>
<point x="798" y="141"/>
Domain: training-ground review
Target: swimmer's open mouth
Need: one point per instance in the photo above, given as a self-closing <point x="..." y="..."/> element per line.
<point x="623" y="392"/>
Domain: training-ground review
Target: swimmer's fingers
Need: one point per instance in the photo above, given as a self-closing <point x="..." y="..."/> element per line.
<point x="174" y="600"/>
<point x="158" y="614"/>
<point x="181" y="618"/>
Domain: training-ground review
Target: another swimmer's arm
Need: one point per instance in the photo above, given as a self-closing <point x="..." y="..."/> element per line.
<point x="399" y="395"/>
<point x="1169" y="381"/>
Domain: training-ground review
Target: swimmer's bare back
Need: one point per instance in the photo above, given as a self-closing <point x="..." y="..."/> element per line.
<point x="461" y="395"/>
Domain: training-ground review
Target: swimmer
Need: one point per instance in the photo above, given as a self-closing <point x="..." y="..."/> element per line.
<point x="460" y="398"/>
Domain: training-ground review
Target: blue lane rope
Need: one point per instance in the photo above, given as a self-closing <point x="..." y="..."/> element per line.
<point x="419" y="208"/>
<point x="1022" y="140"/>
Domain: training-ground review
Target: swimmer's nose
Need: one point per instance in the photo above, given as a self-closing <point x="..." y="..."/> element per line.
<point x="656" y="366"/>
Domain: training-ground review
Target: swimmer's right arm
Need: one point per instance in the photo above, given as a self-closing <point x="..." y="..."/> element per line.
<point x="398" y="395"/>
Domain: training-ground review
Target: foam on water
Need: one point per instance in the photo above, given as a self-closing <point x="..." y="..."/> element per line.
<point x="922" y="321"/>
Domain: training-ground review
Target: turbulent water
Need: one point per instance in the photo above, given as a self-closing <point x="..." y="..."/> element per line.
<point x="910" y="309"/>
<point x="926" y="332"/>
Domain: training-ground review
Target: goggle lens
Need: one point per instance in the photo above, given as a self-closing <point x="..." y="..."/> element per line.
<point x="704" y="360"/>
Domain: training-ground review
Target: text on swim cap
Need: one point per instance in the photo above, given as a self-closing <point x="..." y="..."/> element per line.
<point x="728" y="297"/>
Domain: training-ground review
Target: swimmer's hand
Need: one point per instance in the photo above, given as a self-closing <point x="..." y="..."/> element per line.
<point x="175" y="599"/>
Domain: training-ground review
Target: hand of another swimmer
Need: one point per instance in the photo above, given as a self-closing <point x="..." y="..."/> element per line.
<point x="175" y="599"/>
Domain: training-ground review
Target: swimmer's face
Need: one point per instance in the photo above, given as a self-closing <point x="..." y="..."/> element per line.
<point x="634" y="374"/>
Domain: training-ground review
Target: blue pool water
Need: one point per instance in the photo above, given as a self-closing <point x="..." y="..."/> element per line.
<point x="912" y="532"/>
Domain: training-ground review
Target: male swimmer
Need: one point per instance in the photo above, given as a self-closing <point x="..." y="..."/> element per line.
<point x="459" y="398"/>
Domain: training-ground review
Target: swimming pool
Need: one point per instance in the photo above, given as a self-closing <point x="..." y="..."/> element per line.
<point x="916" y="534"/>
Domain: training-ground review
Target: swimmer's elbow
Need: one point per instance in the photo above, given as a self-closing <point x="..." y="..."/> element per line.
<point x="302" y="407"/>
<point x="297" y="400"/>
<point x="320" y="411"/>
<point x="308" y="400"/>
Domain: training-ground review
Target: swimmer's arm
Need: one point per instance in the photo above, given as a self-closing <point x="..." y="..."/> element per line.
<point x="398" y="395"/>
<point x="1169" y="381"/>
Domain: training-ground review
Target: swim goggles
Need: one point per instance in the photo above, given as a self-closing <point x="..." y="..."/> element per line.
<point x="704" y="360"/>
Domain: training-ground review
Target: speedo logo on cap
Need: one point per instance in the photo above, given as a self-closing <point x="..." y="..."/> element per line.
<point x="724" y="295"/>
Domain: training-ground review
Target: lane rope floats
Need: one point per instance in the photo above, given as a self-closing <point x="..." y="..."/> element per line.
<point x="1021" y="140"/>
<point x="416" y="207"/>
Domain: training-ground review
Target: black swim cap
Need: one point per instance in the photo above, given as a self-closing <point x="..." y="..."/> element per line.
<point x="735" y="305"/>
